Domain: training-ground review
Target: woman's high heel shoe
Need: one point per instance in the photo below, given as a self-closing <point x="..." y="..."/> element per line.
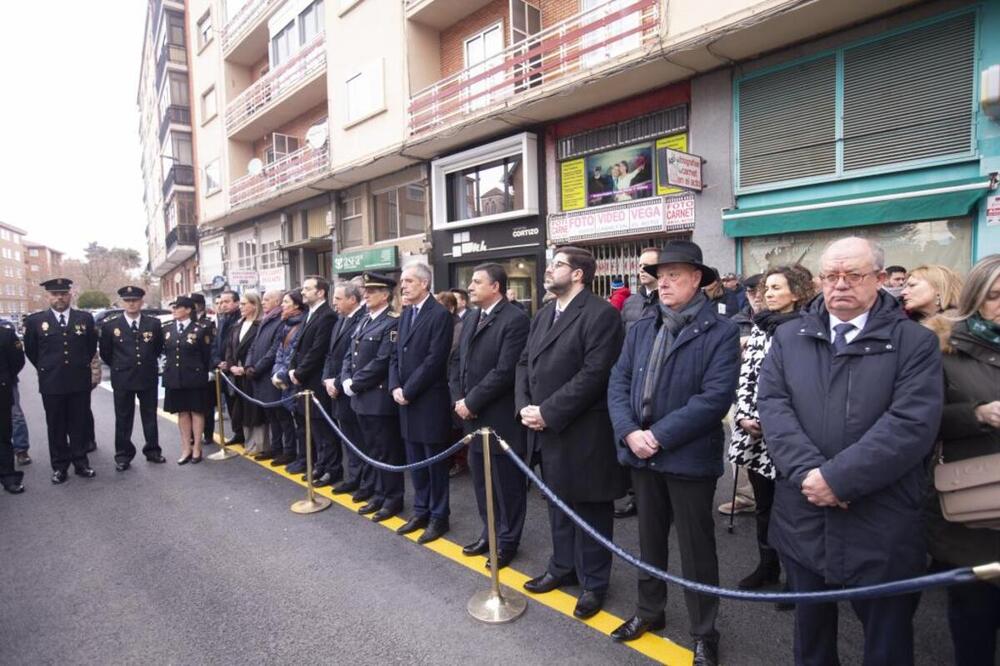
<point x="185" y="460"/>
<point x="195" y="461"/>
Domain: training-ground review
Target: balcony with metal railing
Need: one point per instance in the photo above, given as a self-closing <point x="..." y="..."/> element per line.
<point x="244" y="37"/>
<point x="284" y="175"/>
<point x="281" y="94"/>
<point x="175" y="114"/>
<point x="170" y="53"/>
<point x="178" y="174"/>
<point x="180" y="245"/>
<point x="602" y="38"/>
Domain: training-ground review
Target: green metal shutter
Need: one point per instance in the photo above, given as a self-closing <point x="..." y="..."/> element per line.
<point x="910" y="96"/>
<point x="787" y="123"/>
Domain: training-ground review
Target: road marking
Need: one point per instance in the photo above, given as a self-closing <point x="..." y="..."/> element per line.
<point x="655" y="647"/>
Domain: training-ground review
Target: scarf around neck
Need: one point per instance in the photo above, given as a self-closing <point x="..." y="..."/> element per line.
<point x="769" y="321"/>
<point x="671" y="323"/>
<point x="985" y="330"/>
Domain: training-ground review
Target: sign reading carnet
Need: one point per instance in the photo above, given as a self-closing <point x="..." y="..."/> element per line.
<point x="684" y="170"/>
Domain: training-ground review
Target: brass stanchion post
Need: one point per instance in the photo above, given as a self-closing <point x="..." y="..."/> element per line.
<point x="312" y="503"/>
<point x="223" y="453"/>
<point x="493" y="606"/>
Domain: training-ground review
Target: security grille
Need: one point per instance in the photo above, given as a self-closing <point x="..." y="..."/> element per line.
<point x="788" y="123"/>
<point x="667" y="121"/>
<point x="621" y="261"/>
<point x="910" y="96"/>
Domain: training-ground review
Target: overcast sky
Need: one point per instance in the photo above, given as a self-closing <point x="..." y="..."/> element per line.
<point x="69" y="156"/>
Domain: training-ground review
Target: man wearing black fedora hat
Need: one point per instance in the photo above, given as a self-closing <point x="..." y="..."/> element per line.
<point x="673" y="383"/>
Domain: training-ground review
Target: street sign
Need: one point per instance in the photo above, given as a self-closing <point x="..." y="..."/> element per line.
<point x="684" y="170"/>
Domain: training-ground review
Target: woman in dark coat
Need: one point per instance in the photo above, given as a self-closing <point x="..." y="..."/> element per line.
<point x="292" y="433"/>
<point x="187" y="348"/>
<point x="241" y="337"/>
<point x="970" y="427"/>
<point x="786" y="290"/>
<point x="259" y="363"/>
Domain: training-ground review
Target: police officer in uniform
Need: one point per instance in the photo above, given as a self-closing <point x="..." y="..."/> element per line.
<point x="131" y="344"/>
<point x="365" y="378"/>
<point x="187" y="348"/>
<point x="200" y="315"/>
<point x="11" y="362"/>
<point x="60" y="342"/>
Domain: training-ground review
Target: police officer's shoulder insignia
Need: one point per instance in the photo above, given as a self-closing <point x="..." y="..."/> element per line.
<point x="118" y="332"/>
<point x="45" y="325"/>
<point x="392" y="336"/>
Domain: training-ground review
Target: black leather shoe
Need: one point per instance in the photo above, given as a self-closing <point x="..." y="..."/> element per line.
<point x="363" y="495"/>
<point x="589" y="604"/>
<point x="476" y="548"/>
<point x="14" y="488"/>
<point x="504" y="558"/>
<point x="122" y="466"/>
<point x="264" y="456"/>
<point x="22" y="458"/>
<point x="323" y="480"/>
<point x="236" y="439"/>
<point x="59" y="476"/>
<point x="282" y="459"/>
<point x="706" y="653"/>
<point x="345" y="487"/>
<point x="626" y="511"/>
<point x="157" y="459"/>
<point x="196" y="460"/>
<point x="370" y="507"/>
<point x="384" y="513"/>
<point x="634" y="627"/>
<point x="185" y="460"/>
<point x="413" y="524"/>
<point x="547" y="582"/>
<point x="85" y="472"/>
<point x="435" y="530"/>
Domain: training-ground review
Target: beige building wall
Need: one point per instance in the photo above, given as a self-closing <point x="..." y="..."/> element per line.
<point x="208" y="105"/>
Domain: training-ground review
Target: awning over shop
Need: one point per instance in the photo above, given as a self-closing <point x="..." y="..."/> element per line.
<point x="945" y="200"/>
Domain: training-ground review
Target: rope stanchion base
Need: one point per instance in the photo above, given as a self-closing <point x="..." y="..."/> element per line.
<point x="493" y="608"/>
<point x="223" y="453"/>
<point x="314" y="504"/>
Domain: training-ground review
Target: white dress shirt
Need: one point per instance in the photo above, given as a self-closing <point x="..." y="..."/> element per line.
<point x="859" y="325"/>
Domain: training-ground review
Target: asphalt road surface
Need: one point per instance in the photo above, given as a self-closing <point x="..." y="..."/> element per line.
<point x="206" y="564"/>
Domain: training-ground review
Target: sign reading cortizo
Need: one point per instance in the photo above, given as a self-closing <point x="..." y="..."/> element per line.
<point x="365" y="260"/>
<point x="496" y="237"/>
<point x="684" y="170"/>
<point x="648" y="216"/>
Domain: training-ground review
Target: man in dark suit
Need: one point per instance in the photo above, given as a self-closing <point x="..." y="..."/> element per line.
<point x="227" y="314"/>
<point x="305" y="370"/>
<point x="348" y="301"/>
<point x="60" y="342"/>
<point x="365" y="379"/>
<point x="482" y="382"/>
<point x="562" y="380"/>
<point x="131" y="344"/>
<point x="11" y="362"/>
<point x="418" y="380"/>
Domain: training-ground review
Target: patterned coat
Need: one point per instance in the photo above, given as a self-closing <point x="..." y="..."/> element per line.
<point x="746" y="449"/>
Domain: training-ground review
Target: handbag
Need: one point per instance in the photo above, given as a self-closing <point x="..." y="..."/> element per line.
<point x="969" y="490"/>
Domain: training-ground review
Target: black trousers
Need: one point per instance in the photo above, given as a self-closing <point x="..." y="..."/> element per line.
<point x="282" y="428"/>
<point x="431" y="487"/>
<point x="974" y="618"/>
<point x="9" y="475"/>
<point x="66" y="419"/>
<point x="574" y="550"/>
<point x="510" y="501"/>
<point x="663" y="502"/>
<point x="125" y="418"/>
<point x="763" y="492"/>
<point x="233" y="408"/>
<point x="358" y="471"/>
<point x="887" y="623"/>
<point x="384" y="443"/>
<point x="209" y="435"/>
<point x="326" y="447"/>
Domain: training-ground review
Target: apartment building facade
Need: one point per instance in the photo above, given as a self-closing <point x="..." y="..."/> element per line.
<point x="13" y="290"/>
<point x="41" y="263"/>
<point x="337" y="136"/>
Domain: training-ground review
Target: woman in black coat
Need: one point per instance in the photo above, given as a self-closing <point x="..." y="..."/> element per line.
<point x="970" y="427"/>
<point x="259" y="363"/>
<point x="246" y="416"/>
<point x="187" y="348"/>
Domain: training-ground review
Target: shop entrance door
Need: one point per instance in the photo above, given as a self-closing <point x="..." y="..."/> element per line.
<point x="521" y="272"/>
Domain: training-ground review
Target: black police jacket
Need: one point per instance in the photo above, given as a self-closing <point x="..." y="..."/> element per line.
<point x="186" y="356"/>
<point x="132" y="357"/>
<point x="62" y="354"/>
<point x="11" y="362"/>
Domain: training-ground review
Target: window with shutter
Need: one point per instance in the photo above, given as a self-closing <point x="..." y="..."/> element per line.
<point x="909" y="97"/>
<point x="787" y="123"/>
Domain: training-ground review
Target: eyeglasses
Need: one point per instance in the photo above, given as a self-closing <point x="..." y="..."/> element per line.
<point x="852" y="279"/>
<point x="558" y="264"/>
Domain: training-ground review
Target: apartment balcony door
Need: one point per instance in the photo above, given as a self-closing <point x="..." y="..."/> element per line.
<point x="482" y="53"/>
<point x="609" y="36"/>
<point x="525" y="21"/>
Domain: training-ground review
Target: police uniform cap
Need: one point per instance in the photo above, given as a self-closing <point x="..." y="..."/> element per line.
<point x="379" y="280"/>
<point x="57" y="285"/>
<point x="129" y="293"/>
<point x="198" y="299"/>
<point x="183" y="302"/>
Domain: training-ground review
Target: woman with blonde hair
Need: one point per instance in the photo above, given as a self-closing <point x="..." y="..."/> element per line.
<point x="241" y="338"/>
<point x="970" y="428"/>
<point x="930" y="290"/>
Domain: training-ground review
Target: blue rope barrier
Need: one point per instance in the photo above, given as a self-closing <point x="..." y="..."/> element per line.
<point x="942" y="579"/>
<point x="378" y="464"/>
<point x="284" y="402"/>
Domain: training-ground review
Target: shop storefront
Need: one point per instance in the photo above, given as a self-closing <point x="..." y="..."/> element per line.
<point x="383" y="259"/>
<point x="486" y="208"/>
<point x="911" y="170"/>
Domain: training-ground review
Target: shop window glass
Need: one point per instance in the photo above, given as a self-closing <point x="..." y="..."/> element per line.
<point x="349" y="231"/>
<point x="399" y="212"/>
<point x="486" y="189"/>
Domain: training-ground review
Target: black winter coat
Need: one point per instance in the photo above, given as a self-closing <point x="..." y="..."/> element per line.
<point x="564" y="370"/>
<point x="260" y="358"/>
<point x="867" y="418"/>
<point x="340" y="345"/>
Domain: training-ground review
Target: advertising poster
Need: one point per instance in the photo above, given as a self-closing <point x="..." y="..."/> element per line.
<point x="622" y="174"/>
<point x="574" y="184"/>
<point x="675" y="142"/>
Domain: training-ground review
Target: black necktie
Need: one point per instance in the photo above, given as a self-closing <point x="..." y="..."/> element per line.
<point x="180" y="329"/>
<point x="135" y="327"/>
<point x="840" y="339"/>
<point x="482" y="321"/>
<point x="62" y="320"/>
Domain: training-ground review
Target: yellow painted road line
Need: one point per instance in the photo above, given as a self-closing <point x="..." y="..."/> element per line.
<point x="655" y="647"/>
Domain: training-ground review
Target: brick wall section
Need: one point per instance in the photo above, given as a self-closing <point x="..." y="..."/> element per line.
<point x="453" y="37"/>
